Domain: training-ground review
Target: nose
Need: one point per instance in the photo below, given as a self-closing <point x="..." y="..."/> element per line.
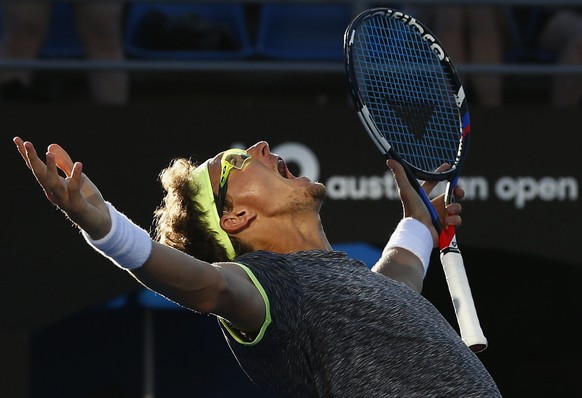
<point x="260" y="148"/>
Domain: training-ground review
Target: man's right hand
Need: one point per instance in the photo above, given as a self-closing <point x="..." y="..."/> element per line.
<point x="74" y="194"/>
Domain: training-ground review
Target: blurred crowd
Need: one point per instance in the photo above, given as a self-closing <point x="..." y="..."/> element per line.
<point x="473" y="34"/>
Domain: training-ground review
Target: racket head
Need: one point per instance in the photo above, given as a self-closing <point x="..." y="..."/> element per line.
<point x="407" y="92"/>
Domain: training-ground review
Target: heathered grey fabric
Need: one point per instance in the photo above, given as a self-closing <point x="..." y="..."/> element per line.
<point x="341" y="330"/>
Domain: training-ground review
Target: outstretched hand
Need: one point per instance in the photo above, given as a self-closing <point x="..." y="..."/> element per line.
<point x="414" y="207"/>
<point x="74" y="193"/>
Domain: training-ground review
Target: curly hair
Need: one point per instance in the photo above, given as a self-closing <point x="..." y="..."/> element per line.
<point x="178" y="220"/>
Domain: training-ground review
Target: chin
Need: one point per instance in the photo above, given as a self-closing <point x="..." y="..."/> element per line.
<point x="317" y="191"/>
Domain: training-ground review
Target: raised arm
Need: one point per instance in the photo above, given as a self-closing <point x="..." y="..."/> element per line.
<point x="416" y="227"/>
<point x="221" y="289"/>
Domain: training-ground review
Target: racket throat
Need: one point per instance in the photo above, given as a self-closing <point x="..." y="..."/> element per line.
<point x="448" y="241"/>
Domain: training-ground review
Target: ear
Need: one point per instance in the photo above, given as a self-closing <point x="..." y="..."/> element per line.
<point x="237" y="220"/>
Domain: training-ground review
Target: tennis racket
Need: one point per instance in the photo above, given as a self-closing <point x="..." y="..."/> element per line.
<point x="412" y="104"/>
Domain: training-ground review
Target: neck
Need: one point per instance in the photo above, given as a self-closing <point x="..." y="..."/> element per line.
<point x="290" y="234"/>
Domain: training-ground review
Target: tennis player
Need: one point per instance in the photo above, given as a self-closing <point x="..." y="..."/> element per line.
<point x="240" y="237"/>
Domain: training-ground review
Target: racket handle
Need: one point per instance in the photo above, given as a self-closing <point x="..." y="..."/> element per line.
<point x="458" y="283"/>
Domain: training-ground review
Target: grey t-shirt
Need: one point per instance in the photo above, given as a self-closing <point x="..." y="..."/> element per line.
<point x="340" y="330"/>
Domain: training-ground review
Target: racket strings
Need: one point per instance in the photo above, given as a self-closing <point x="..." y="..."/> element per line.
<point x="408" y="92"/>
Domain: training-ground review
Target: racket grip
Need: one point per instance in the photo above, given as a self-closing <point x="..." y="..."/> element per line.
<point x="458" y="283"/>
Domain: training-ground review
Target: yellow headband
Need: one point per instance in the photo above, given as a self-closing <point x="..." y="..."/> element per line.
<point x="205" y="200"/>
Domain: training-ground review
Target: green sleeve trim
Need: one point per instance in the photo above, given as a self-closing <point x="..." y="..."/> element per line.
<point x="237" y="334"/>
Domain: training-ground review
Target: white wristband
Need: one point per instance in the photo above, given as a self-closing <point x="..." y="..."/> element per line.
<point x="126" y="244"/>
<point x="414" y="236"/>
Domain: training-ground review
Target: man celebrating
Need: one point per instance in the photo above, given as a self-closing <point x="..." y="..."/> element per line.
<point x="240" y="237"/>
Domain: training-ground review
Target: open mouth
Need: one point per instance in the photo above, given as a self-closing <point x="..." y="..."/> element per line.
<point x="283" y="169"/>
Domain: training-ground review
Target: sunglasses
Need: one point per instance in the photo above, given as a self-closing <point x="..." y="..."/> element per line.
<point x="231" y="159"/>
